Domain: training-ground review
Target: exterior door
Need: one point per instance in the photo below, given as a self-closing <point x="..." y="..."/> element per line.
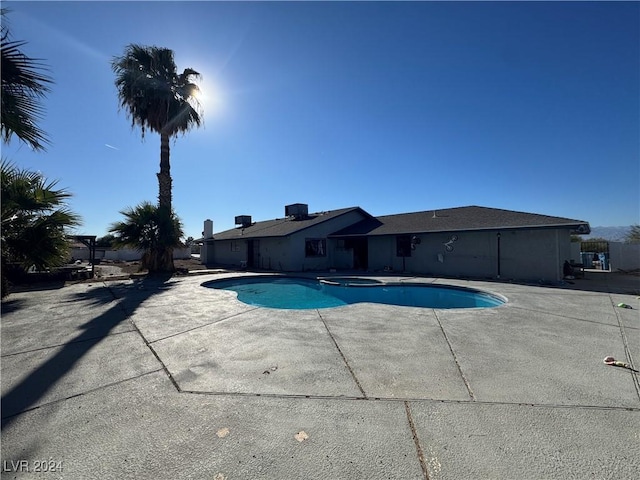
<point x="360" y="253"/>
<point x="253" y="253"/>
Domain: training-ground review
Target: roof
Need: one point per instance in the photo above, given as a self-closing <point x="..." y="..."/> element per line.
<point x="281" y="227"/>
<point x="458" y="219"/>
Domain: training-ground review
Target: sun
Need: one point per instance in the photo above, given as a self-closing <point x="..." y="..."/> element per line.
<point x="210" y="97"/>
<point x="212" y="94"/>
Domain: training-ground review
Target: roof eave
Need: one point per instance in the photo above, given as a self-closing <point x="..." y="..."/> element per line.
<point x="585" y="230"/>
<point x="258" y="235"/>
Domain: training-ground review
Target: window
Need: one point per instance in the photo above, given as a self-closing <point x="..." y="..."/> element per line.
<point x="315" y="247"/>
<point x="403" y="246"/>
<point x="235" y="246"/>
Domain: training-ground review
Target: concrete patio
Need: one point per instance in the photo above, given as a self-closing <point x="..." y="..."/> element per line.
<point x="167" y="379"/>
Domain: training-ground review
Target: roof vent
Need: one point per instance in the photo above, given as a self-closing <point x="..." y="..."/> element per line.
<point x="244" y="220"/>
<point x="298" y="211"/>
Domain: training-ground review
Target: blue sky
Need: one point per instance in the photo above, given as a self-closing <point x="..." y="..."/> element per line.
<point x="391" y="106"/>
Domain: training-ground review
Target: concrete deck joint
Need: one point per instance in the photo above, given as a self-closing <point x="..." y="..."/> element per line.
<point x="58" y="345"/>
<point x="164" y="367"/>
<point x="344" y="359"/>
<point x="455" y="358"/>
<point x="339" y="398"/>
<point x="81" y="394"/>
<point x="155" y="354"/>
<point x="204" y="325"/>
<point x="625" y="344"/>
<point x="568" y="317"/>
<point x="416" y="441"/>
<point x="113" y="295"/>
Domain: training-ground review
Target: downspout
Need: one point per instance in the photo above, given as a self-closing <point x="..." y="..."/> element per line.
<point x="498" y="235"/>
<point x="558" y="277"/>
<point x="92" y="255"/>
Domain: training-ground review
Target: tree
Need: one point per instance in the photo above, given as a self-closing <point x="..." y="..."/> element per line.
<point x="146" y="230"/>
<point x="34" y="221"/>
<point x="23" y="86"/>
<point x="633" y="235"/>
<point x="106" y="241"/>
<point x="158" y="98"/>
<point x="595" y="245"/>
<point x="34" y="213"/>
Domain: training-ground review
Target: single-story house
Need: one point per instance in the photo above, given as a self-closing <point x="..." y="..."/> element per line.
<point x="471" y="241"/>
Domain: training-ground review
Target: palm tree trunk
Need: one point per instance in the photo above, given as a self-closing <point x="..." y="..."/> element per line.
<point x="161" y="260"/>
<point x="164" y="176"/>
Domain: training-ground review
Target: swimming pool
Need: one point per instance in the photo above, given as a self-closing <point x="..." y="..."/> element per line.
<point x="304" y="293"/>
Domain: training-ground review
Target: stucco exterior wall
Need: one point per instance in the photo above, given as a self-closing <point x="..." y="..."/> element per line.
<point x="473" y="255"/>
<point x="298" y="261"/>
<point x="535" y="255"/>
<point x="524" y="254"/>
<point x="207" y="252"/>
<point x="283" y="253"/>
<point x="228" y="252"/>
<point x="274" y="254"/>
<point x="575" y="252"/>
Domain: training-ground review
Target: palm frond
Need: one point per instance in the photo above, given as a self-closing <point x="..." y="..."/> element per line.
<point x="35" y="218"/>
<point x="27" y="192"/>
<point x="153" y="94"/>
<point x="145" y="229"/>
<point x="24" y="85"/>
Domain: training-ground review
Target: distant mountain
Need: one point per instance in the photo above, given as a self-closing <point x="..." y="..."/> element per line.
<point x="613" y="234"/>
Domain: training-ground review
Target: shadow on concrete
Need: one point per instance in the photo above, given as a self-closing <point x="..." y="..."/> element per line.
<point x="36" y="286"/>
<point x="26" y="394"/>
<point x="605" y="282"/>
<point x="11" y="305"/>
<point x="593" y="281"/>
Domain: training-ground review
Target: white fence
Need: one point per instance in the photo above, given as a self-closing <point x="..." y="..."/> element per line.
<point x="624" y="256"/>
<point x="123" y="254"/>
<point x="575" y="252"/>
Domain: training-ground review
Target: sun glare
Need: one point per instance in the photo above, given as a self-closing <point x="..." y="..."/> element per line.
<point x="210" y="98"/>
<point x="212" y="94"/>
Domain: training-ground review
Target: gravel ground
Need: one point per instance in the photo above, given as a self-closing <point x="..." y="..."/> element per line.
<point x="111" y="269"/>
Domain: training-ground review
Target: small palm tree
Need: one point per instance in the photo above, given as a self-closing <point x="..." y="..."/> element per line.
<point x="146" y="230"/>
<point x="158" y="98"/>
<point x="23" y="86"/>
<point x="34" y="221"/>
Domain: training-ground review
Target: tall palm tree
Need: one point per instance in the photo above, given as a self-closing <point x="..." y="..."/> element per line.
<point x="158" y="98"/>
<point x="34" y="220"/>
<point x="23" y="86"/>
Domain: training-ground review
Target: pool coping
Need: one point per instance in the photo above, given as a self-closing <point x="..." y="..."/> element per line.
<point x="376" y="283"/>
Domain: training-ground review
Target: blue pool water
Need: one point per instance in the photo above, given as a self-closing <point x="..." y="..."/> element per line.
<point x="302" y="293"/>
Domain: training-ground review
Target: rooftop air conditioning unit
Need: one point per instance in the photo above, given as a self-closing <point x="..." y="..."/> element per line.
<point x="244" y="220"/>
<point x="296" y="210"/>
